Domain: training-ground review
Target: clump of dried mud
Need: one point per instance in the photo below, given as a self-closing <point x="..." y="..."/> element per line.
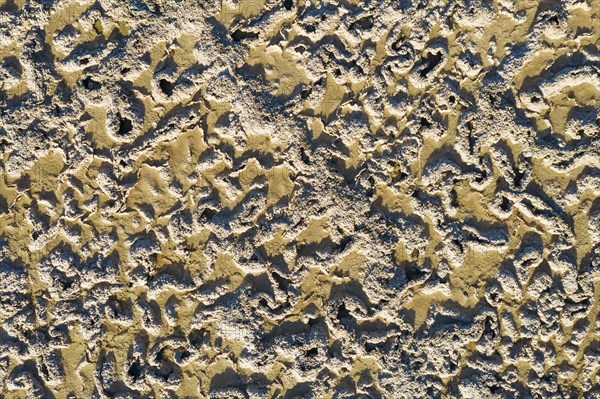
<point x="299" y="199"/>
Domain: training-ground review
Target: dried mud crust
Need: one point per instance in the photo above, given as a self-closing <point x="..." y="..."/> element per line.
<point x="299" y="199"/>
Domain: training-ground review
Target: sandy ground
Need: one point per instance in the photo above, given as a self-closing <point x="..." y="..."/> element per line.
<point x="299" y="199"/>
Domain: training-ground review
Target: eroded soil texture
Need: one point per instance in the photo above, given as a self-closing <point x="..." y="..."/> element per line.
<point x="299" y="199"/>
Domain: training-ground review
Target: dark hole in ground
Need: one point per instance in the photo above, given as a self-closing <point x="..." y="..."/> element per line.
<point x="453" y="198"/>
<point x="135" y="371"/>
<point x="505" y="204"/>
<point x="364" y="23"/>
<point x="431" y="61"/>
<point x="312" y="352"/>
<point x="125" y="126"/>
<point x="343" y="313"/>
<point x="304" y="156"/>
<point x="207" y="214"/>
<point x="91" y="84"/>
<point x="166" y="87"/>
<point x="239" y="35"/>
<point x="414" y="274"/>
